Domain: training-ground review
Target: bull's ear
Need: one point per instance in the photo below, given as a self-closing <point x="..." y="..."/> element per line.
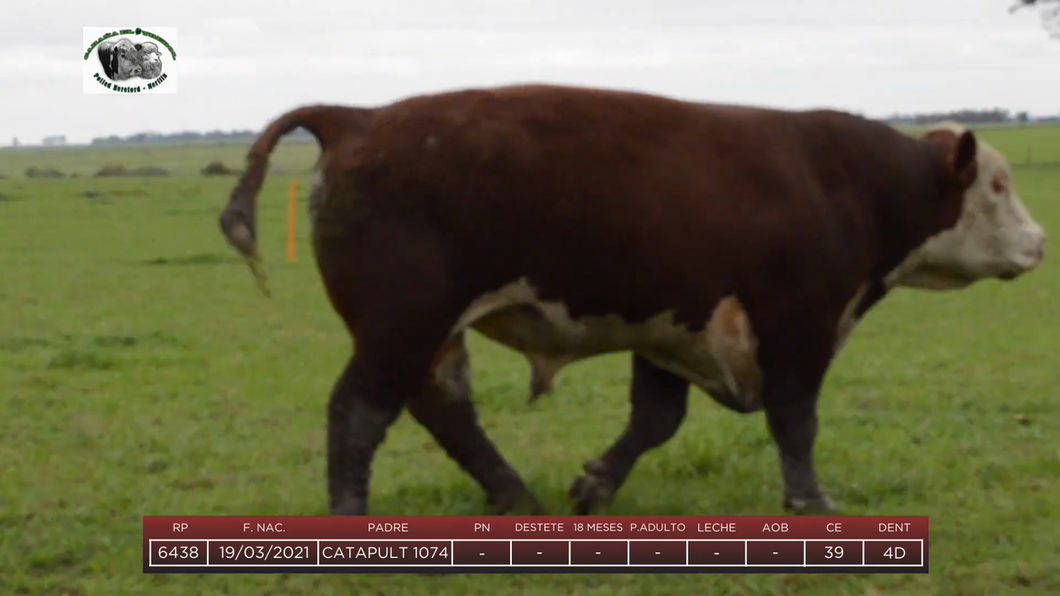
<point x="964" y="162"/>
<point x="139" y="47"/>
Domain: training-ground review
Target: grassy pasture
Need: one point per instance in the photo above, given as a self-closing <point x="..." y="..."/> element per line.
<point x="142" y="374"/>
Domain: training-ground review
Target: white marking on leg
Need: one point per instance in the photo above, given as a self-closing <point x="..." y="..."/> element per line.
<point x="849" y="320"/>
<point x="452" y="371"/>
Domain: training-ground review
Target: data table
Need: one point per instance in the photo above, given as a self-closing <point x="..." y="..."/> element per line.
<point x="749" y="544"/>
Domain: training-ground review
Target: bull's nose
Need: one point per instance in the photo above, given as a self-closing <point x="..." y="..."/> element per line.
<point x="1029" y="260"/>
<point x="1038" y="252"/>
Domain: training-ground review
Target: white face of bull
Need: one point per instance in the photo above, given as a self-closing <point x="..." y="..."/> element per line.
<point x="995" y="237"/>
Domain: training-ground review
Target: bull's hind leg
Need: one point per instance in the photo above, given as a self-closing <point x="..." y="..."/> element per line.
<point x="660" y="401"/>
<point x="366" y="400"/>
<point x="445" y="409"/>
<point x="396" y="299"/>
<point x="357" y="423"/>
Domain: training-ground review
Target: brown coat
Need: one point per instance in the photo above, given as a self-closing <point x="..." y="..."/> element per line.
<point x="730" y="247"/>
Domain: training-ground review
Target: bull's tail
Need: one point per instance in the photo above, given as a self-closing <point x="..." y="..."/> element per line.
<point x="330" y="124"/>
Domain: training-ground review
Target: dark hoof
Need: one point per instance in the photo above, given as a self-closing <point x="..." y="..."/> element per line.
<point x="809" y="505"/>
<point x="591" y="493"/>
<point x="349" y="507"/>
<point x="514" y="503"/>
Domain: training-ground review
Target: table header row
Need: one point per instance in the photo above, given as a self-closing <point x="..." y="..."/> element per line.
<point x="454" y="528"/>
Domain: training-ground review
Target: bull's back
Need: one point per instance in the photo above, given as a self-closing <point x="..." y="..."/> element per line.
<point x="657" y="201"/>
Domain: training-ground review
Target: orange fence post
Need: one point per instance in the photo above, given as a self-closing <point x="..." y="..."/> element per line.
<point x="290" y="220"/>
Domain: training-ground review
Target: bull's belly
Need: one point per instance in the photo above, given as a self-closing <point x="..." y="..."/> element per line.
<point x="719" y="360"/>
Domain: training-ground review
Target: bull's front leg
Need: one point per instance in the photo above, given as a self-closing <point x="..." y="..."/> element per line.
<point x="790" y="390"/>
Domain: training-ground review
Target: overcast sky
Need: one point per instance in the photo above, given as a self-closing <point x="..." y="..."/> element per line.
<point x="243" y="62"/>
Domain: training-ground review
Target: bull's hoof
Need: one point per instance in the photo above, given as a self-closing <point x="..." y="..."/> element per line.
<point x="514" y="503"/>
<point x="591" y="493"/>
<point x="349" y="507"/>
<point x="809" y="505"/>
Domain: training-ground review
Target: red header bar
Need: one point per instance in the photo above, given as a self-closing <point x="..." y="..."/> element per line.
<point x="517" y="528"/>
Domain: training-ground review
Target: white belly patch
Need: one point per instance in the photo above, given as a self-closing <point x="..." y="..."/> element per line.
<point x="720" y="359"/>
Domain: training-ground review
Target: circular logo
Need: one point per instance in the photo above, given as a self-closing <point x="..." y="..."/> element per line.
<point x="130" y="61"/>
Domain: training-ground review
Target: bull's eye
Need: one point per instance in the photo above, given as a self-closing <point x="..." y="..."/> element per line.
<point x="999" y="184"/>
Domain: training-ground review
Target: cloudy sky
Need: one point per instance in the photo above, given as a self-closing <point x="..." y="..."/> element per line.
<point x="243" y="62"/>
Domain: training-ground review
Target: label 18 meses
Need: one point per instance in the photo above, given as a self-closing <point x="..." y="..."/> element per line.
<point x="641" y="527"/>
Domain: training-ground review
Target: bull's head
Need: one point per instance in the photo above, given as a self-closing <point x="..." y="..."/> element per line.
<point x="994" y="236"/>
<point x="125" y="57"/>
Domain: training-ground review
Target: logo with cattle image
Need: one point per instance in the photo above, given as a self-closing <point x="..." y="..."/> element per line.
<point x="128" y="61"/>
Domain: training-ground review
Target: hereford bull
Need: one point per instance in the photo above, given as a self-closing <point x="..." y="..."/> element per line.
<point x="728" y="248"/>
<point x="120" y="59"/>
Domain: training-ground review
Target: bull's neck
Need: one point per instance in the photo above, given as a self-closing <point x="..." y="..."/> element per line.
<point x="907" y="203"/>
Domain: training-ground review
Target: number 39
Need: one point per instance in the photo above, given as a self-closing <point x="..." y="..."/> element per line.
<point x="833" y="552"/>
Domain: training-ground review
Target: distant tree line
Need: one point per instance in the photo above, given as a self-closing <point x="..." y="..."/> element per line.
<point x="214" y="136"/>
<point x="991" y="116"/>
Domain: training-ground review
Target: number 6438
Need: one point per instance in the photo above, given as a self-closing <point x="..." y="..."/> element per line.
<point x="178" y="552"/>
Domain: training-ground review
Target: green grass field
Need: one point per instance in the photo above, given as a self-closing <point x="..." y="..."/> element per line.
<point x="141" y="373"/>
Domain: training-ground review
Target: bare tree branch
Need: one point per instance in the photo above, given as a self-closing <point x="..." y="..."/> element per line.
<point x="1050" y="15"/>
<point x="1021" y="4"/>
<point x="1027" y="3"/>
